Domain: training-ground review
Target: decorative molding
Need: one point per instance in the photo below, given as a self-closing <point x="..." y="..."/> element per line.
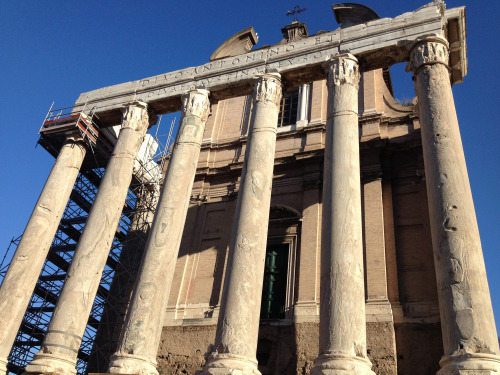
<point x="342" y="69"/>
<point x="195" y="103"/>
<point x="378" y="42"/>
<point x="267" y="88"/>
<point x="135" y="116"/>
<point x="429" y="51"/>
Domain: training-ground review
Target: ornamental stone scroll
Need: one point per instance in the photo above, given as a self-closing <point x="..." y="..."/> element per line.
<point x="267" y="88"/>
<point x="343" y="69"/>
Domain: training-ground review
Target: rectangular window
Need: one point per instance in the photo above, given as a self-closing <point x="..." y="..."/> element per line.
<point x="288" y="109"/>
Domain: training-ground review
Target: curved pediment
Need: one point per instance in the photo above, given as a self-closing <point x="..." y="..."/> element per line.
<point x="238" y="44"/>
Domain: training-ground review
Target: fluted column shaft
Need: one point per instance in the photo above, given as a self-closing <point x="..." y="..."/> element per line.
<point x="342" y="340"/>
<point x="469" y="334"/>
<point x="64" y="335"/>
<point x="238" y="325"/>
<point x="141" y="334"/>
<point x="25" y="267"/>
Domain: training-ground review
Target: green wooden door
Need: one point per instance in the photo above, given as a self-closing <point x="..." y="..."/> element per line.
<point x="275" y="279"/>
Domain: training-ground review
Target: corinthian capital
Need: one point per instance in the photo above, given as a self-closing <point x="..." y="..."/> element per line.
<point x="267" y="88"/>
<point x="195" y="102"/>
<point x="343" y="69"/>
<point x="136" y="116"/>
<point x="429" y="51"/>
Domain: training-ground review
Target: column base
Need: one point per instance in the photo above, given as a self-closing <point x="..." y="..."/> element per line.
<point x="470" y="364"/>
<point x="230" y="364"/>
<point x="131" y="364"/>
<point x="45" y="363"/>
<point x="336" y="364"/>
<point x="3" y="366"/>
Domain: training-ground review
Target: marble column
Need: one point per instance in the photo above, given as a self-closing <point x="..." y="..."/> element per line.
<point x="120" y="292"/>
<point x="25" y="267"/>
<point x="62" y="341"/>
<point x="469" y="334"/>
<point x="238" y="325"/>
<point x="140" y="337"/>
<point x="342" y="338"/>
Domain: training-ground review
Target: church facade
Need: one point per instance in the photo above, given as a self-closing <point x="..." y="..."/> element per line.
<point x="308" y="222"/>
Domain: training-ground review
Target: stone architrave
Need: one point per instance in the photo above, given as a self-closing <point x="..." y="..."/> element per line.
<point x="238" y="325"/>
<point x="342" y="339"/>
<point x="59" y="350"/>
<point x="469" y="334"/>
<point x="23" y="272"/>
<point x="140" y="337"/>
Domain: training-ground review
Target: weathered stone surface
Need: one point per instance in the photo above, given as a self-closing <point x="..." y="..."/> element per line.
<point x="236" y="340"/>
<point x="142" y="330"/>
<point x="120" y="292"/>
<point x="64" y="335"/>
<point x="469" y="335"/>
<point x="342" y="303"/>
<point x="21" y="277"/>
<point x="411" y="338"/>
<point x="282" y="349"/>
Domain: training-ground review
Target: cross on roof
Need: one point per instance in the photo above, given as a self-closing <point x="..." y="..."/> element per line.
<point x="296" y="10"/>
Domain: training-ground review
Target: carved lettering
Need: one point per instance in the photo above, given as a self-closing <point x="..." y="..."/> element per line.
<point x="290" y="47"/>
<point x="235" y="61"/>
<point x="273" y="52"/>
<point x="250" y="57"/>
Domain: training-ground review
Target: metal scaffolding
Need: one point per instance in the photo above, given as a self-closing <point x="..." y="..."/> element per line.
<point x="121" y="267"/>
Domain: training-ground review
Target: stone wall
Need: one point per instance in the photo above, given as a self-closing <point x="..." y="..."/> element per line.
<point x="291" y="349"/>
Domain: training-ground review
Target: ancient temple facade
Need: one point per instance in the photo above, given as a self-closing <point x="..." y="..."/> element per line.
<point x="308" y="223"/>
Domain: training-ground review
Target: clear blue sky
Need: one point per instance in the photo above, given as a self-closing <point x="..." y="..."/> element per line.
<point x="54" y="50"/>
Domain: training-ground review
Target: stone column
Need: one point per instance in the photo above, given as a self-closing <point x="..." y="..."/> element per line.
<point x="59" y="350"/>
<point x="342" y="339"/>
<point x="140" y="337"/>
<point x="120" y="292"/>
<point x="25" y="267"/>
<point x="469" y="334"/>
<point x="238" y="325"/>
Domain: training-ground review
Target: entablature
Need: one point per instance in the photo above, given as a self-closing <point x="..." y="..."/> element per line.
<point x="377" y="44"/>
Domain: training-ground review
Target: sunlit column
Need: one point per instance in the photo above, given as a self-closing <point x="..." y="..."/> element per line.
<point x="136" y="353"/>
<point x="59" y="350"/>
<point x="25" y="267"/>
<point x="469" y="334"/>
<point x="342" y="327"/>
<point x="238" y="325"/>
